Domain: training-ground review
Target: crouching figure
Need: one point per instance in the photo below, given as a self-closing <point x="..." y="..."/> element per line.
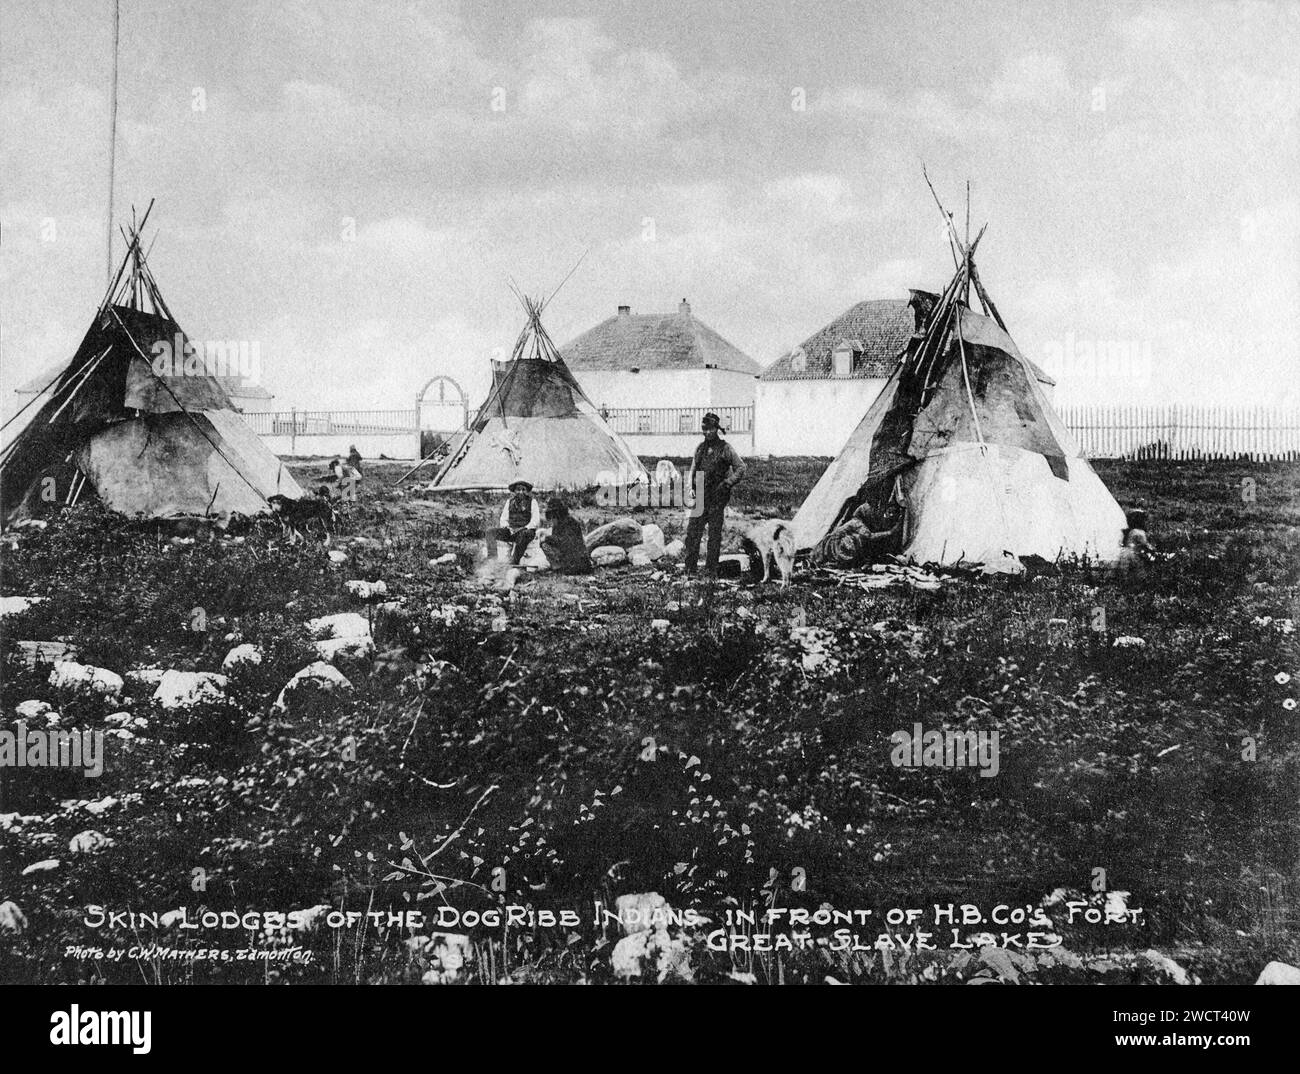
<point x="565" y="548"/>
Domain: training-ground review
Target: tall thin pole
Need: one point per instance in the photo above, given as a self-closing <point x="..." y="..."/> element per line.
<point x="112" y="142"/>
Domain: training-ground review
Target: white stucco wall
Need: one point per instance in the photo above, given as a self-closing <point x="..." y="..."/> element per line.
<point x="727" y="388"/>
<point x="255" y="406"/>
<point x="619" y="389"/>
<point x="396" y="446"/>
<point x="809" y="417"/>
<point x="681" y="447"/>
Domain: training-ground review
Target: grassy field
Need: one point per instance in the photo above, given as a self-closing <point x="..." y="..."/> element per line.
<point x="548" y="748"/>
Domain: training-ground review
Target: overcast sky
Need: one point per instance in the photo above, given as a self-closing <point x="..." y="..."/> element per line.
<point x="1137" y="165"/>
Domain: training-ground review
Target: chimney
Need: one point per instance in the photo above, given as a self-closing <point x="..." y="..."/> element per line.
<point x="623" y="311"/>
<point x="685" y="308"/>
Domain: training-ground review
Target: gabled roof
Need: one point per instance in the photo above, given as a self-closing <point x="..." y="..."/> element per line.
<point x="645" y="341"/>
<point x="879" y="329"/>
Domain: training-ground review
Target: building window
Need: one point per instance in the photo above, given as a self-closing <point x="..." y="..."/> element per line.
<point x="643" y="422"/>
<point x="686" y="421"/>
<point x="842" y="360"/>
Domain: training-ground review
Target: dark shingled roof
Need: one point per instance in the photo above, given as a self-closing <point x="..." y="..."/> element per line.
<point x="878" y="329"/>
<point x="655" y="341"/>
<point x="882" y="326"/>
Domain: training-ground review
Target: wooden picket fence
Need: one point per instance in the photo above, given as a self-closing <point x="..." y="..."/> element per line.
<point x="1258" y="433"/>
<point x="1173" y="431"/>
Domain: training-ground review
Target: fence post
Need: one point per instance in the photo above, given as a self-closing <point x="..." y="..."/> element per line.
<point x="293" y="430"/>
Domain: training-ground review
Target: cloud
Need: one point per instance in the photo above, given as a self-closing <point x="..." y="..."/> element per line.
<point x="1035" y="79"/>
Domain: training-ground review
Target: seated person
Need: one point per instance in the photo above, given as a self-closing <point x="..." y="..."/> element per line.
<point x="565" y="548"/>
<point x="870" y="533"/>
<point x="355" y="460"/>
<point x="346" y="479"/>
<point x="520" y="518"/>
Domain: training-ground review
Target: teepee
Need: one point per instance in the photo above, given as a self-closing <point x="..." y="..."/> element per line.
<point x="138" y="419"/>
<point x="538" y="426"/>
<point x="963" y="437"/>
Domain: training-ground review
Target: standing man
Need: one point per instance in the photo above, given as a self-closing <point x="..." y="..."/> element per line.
<point x="721" y="468"/>
<point x="520" y="518"/>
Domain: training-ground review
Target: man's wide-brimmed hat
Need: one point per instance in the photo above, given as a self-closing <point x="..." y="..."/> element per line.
<point x="527" y="486"/>
<point x="711" y="421"/>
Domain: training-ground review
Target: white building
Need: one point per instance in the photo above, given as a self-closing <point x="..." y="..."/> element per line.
<point x="810" y="400"/>
<point x="660" y="360"/>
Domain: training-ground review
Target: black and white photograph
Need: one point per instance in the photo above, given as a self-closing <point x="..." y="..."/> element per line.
<point x="618" y="493"/>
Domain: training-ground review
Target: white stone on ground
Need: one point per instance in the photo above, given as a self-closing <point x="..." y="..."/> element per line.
<point x="82" y="678"/>
<point x="182" y="689"/>
<point x="242" y="654"/>
<point x="320" y="674"/>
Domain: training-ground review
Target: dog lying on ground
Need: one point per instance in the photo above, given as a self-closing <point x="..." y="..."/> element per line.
<point x="773" y="541"/>
<point x="301" y="515"/>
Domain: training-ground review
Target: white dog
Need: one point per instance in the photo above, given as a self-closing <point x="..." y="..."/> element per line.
<point x="666" y="473"/>
<point x="773" y="540"/>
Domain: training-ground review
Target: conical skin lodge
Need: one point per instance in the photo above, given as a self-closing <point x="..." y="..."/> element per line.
<point x="963" y="435"/>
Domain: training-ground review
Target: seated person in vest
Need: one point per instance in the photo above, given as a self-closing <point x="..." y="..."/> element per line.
<point x="565" y="548"/>
<point x="520" y="518"/>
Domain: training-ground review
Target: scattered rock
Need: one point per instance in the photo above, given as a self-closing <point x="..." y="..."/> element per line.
<point x="42" y="866"/>
<point x="443" y="560"/>
<point x="338" y="558"/>
<point x="320" y="675"/>
<point x="14" y="605"/>
<point x="622" y="533"/>
<point x="145" y="679"/>
<point x="183" y="689"/>
<point x="366" y="590"/>
<point x="1167" y="966"/>
<point x="661" y="625"/>
<point x="89" y="841"/>
<point x="344" y="634"/>
<point x="342" y="625"/>
<point x="69" y="675"/>
<point x="45" y="652"/>
<point x="241" y="654"/>
<point x="1279" y="973"/>
<point x="11" y="917"/>
<point x="33" y="710"/>
<point x="333" y="648"/>
<point x="609" y="555"/>
<point x="675" y="548"/>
